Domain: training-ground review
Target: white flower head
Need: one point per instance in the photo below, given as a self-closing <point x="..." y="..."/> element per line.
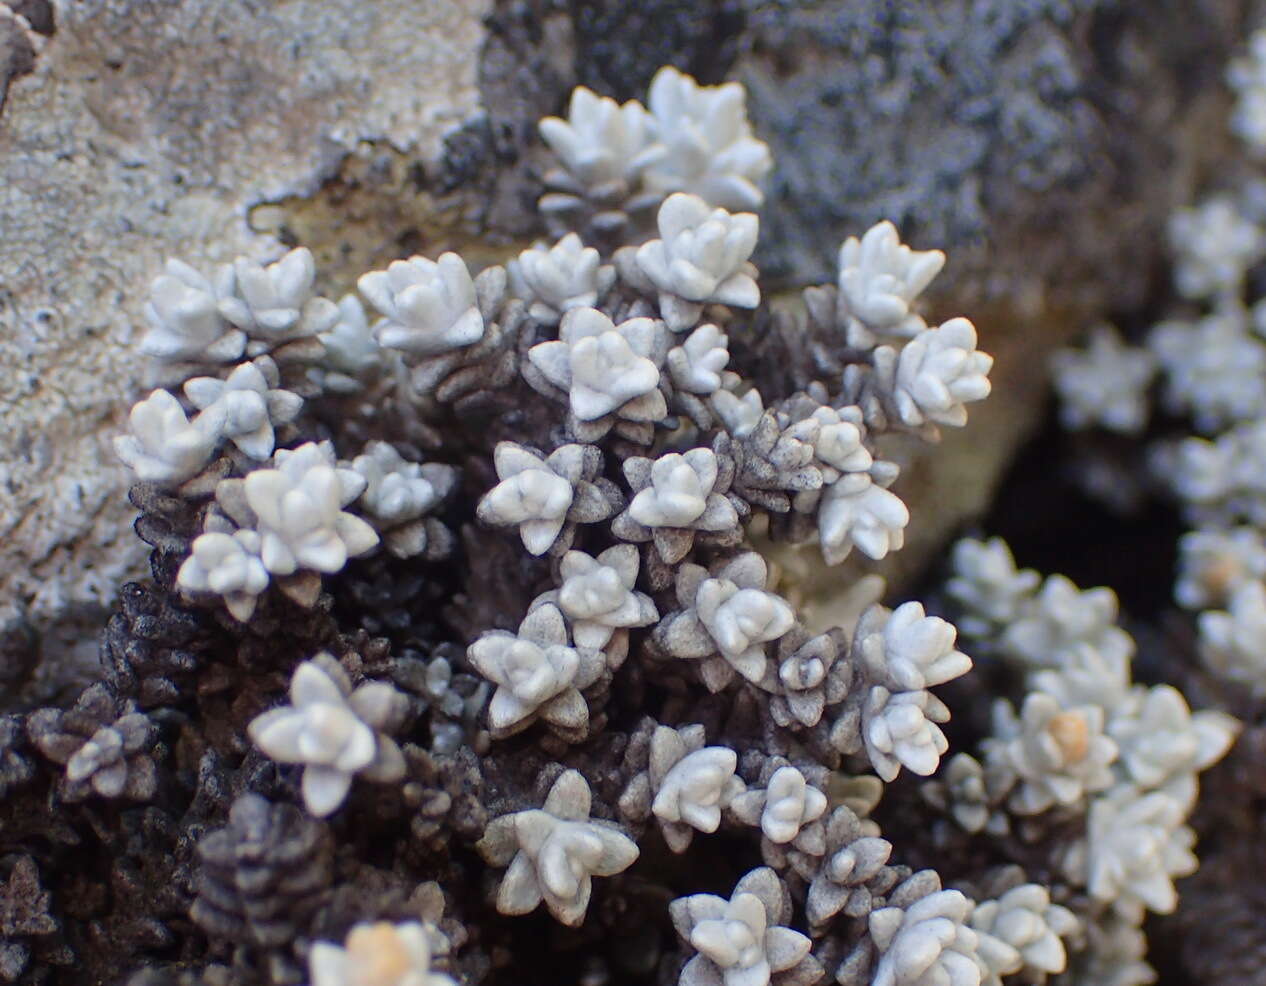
<point x="727" y="618"/>
<point x="333" y="731"/>
<point x="163" y="445"/>
<point x="790" y="804"/>
<point x="606" y="368"/>
<point x="741" y="615"/>
<point x="879" y="280"/>
<point x="912" y="650"/>
<point x="743" y="941"/>
<point x="184" y="317"/>
<point x="428" y="306"/>
<point x="397" y="490"/>
<point x="858" y="512"/>
<point x="901" y="731"/>
<point x="1115" y="954"/>
<point x="1087" y="676"/>
<point x="299" y="505"/>
<point x="555" y="279"/>
<point x="540" y="494"/>
<point x="1164" y="744"/>
<point x="696" y="365"/>
<point x="1215" y="244"/>
<point x="275" y="302"/>
<point x="554" y="851"/>
<point x="697" y="787"/>
<point x="1059" y="618"/>
<point x="378" y="954"/>
<point x="928" y="943"/>
<point x="853" y="857"/>
<point x="938" y="373"/>
<point x="1221" y="481"/>
<point x="227" y="565"/>
<point x="537" y="673"/>
<point x="838" y="437"/>
<point x="350" y="347"/>
<point x="247" y="406"/>
<point x="1134" y="847"/>
<point x="707" y="144"/>
<point x="988" y="585"/>
<point x="1105" y="384"/>
<point x="1212" y="564"/>
<point x="1246" y="74"/>
<point x="700" y="258"/>
<point x="1233" y="641"/>
<point x="597" y="594"/>
<point x="601" y="141"/>
<point x="966" y="795"/>
<point x="739" y="415"/>
<point x="1214" y="368"/>
<point x="1058" y="754"/>
<point x="1022" y="930"/>
<point x="679" y="490"/>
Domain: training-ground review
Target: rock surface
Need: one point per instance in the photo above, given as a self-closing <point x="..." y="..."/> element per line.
<point x="1040" y="143"/>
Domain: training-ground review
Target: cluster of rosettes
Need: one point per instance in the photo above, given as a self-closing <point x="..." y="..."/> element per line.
<point x="585" y="399"/>
<point x="1086" y="742"/>
<point x="1211" y="364"/>
<point x="272" y="513"/>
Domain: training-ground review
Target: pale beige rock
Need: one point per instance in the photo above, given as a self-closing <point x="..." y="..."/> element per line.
<point x="148" y="130"/>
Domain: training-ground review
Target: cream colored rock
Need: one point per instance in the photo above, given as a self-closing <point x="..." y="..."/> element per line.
<point x="132" y="139"/>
